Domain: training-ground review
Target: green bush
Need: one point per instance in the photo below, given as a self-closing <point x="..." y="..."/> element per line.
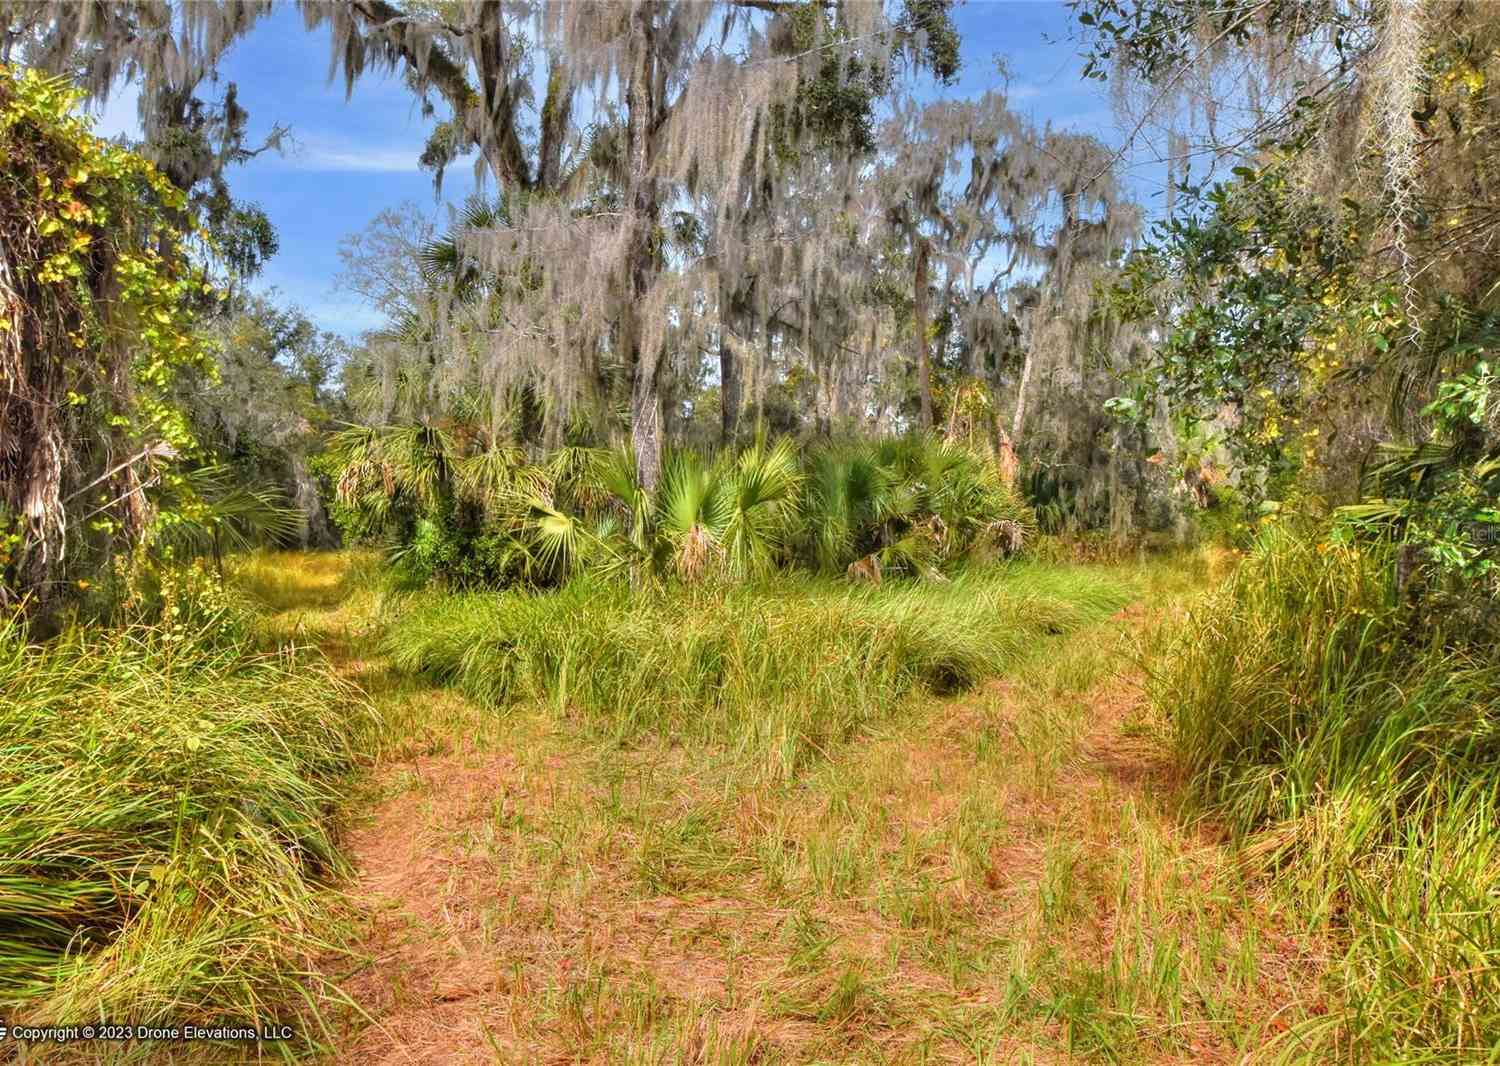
<point x="165" y="797"/>
<point x="912" y="504"/>
<point x="493" y="517"/>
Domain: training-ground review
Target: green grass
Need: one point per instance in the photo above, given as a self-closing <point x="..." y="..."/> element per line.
<point x="166" y="808"/>
<point x="786" y="667"/>
<point x="1356" y="755"/>
<point x="332" y="599"/>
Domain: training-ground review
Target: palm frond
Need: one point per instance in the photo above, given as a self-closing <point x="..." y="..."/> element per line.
<point x="692" y="511"/>
<point x="216" y="512"/>
<point x="498" y="476"/>
<point x="761" y="496"/>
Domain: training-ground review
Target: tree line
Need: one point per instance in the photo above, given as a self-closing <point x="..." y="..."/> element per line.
<point x="706" y="224"/>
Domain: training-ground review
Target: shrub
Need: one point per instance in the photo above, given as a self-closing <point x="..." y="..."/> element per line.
<point x="911" y="504"/>
<point x="493" y="517"/>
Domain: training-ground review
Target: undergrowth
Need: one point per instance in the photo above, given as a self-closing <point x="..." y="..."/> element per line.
<point x="166" y="796"/>
<point x="785" y="667"/>
<point x="1355" y="754"/>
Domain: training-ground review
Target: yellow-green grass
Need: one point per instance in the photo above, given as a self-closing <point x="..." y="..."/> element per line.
<point x="167" y="801"/>
<point x="1356" y="756"/>
<point x="331" y="599"/>
<point x="784" y="669"/>
<point x="972" y="848"/>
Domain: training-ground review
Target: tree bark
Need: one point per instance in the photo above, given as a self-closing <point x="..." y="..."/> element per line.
<point x="729" y="390"/>
<point x="1020" y="417"/>
<point x="645" y="420"/>
<point x="919" y="307"/>
<point x="557" y="117"/>
<point x="316" y="531"/>
<point x="33" y="443"/>
<point x="731" y="373"/>
<point x="760" y="368"/>
<point x="645" y="359"/>
<point x="503" y="153"/>
<point x="1005" y="454"/>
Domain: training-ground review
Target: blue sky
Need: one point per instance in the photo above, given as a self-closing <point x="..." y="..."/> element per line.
<point x="353" y="158"/>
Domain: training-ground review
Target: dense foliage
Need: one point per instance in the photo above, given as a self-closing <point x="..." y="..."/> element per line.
<point x="1328" y="316"/>
<point x="1353" y="747"/>
<point x="93" y="337"/>
<point x="455" y="509"/>
<point x="271" y="408"/>
<point x="1332" y="306"/>
<point x="760" y="328"/>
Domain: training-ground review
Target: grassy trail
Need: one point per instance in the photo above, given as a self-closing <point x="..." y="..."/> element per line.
<point x="995" y="877"/>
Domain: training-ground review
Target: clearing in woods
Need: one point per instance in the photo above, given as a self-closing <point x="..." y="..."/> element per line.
<point x="1000" y="877"/>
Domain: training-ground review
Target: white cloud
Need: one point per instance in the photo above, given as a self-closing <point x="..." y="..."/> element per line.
<point x="317" y="152"/>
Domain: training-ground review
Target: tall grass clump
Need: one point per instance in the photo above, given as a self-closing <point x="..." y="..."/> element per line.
<point x="165" y="802"/>
<point x="790" y="664"/>
<point x="1355" y="750"/>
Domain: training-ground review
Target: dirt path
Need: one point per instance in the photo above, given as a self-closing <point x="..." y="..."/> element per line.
<point x="997" y="878"/>
<point x="432" y="982"/>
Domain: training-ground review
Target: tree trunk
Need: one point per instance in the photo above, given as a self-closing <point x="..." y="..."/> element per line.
<point x="729" y="390"/>
<point x="645" y="359"/>
<point x="645" y="420"/>
<point x="317" y="531"/>
<point x="557" y="115"/>
<point x="823" y="398"/>
<point x="33" y="442"/>
<point x="762" y="372"/>
<point x="1020" y="418"/>
<point x="1005" y="454"/>
<point x="919" y="306"/>
<point x="731" y="373"/>
<point x="503" y="154"/>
